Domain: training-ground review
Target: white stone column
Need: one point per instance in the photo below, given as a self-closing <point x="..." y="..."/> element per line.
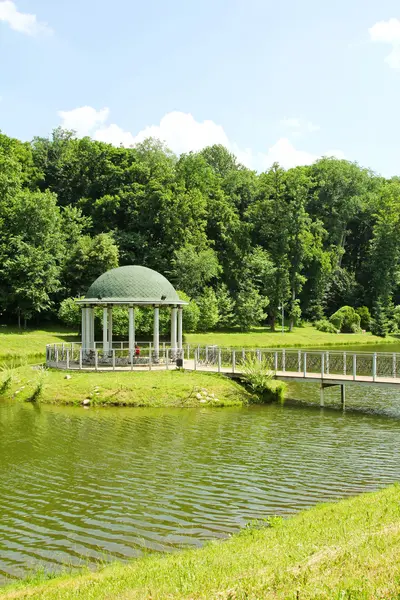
<point x="156" y="332"/>
<point x="110" y="338"/>
<point x="173" y="330"/>
<point x="105" y="329"/>
<point x="91" y="328"/>
<point x="180" y="315"/>
<point x="83" y="333"/>
<point x="131" y="311"/>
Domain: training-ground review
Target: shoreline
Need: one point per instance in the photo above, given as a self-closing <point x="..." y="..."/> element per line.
<point x="346" y="549"/>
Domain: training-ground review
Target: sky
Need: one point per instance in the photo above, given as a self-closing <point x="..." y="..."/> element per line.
<point x="285" y="81"/>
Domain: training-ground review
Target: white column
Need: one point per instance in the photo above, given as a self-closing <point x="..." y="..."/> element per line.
<point x="173" y="329"/>
<point x="83" y="335"/>
<point x="156" y="331"/>
<point x="110" y="338"/>
<point x="91" y="328"/>
<point x="87" y="328"/>
<point x="131" y="311"/>
<point x="180" y="314"/>
<point x="105" y="329"/>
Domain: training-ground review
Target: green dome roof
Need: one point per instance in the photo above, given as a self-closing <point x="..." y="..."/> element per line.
<point x="133" y="284"/>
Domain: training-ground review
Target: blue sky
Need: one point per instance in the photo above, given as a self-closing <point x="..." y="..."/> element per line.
<point x="286" y="81"/>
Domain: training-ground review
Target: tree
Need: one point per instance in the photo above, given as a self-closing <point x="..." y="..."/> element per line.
<point x="250" y="306"/>
<point x="380" y="321"/>
<point x="88" y="259"/>
<point x="208" y="306"/>
<point x="31" y="253"/>
<point x="193" y="270"/>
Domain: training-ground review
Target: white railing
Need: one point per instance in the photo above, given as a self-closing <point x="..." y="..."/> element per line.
<point x="302" y="363"/>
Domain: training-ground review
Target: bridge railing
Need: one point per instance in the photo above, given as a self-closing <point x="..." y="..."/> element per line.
<point x="325" y="363"/>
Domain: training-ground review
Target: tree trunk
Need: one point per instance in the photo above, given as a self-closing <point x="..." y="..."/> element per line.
<point x="273" y="318"/>
<point x="19" y="318"/>
<point x="24" y="322"/>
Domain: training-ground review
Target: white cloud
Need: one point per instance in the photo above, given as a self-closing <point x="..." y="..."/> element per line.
<point x="388" y="32"/>
<point x="299" y="126"/>
<point x="182" y="133"/>
<point x="113" y="134"/>
<point x="83" y="120"/>
<point x="19" y="21"/>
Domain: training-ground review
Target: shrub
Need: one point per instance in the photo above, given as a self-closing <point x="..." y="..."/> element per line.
<point x="325" y="326"/>
<point x="346" y="320"/>
<point x="69" y="313"/>
<point x="365" y="316"/>
<point x="258" y="375"/>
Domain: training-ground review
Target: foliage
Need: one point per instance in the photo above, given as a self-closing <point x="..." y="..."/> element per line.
<point x="325" y="326"/>
<point x="365" y="317"/>
<point x="258" y="375"/>
<point x="69" y="313"/>
<point x="380" y="321"/>
<point x="250" y="306"/>
<point x="313" y="239"/>
<point x="346" y="320"/>
<point x="191" y="313"/>
<point x="208" y="307"/>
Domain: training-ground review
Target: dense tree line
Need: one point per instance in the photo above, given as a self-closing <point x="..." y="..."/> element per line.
<point x="238" y="243"/>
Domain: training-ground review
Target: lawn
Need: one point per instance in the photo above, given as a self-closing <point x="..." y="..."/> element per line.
<point x="142" y="388"/>
<point x="307" y="336"/>
<point x="347" y="550"/>
<point x="31" y="343"/>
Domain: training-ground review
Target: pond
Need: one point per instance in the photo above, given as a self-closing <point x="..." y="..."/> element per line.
<point x="80" y="486"/>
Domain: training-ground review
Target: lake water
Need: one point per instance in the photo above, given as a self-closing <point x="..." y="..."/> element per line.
<point x="80" y="486"/>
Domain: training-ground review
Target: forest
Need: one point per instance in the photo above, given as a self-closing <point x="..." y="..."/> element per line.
<point x="237" y="243"/>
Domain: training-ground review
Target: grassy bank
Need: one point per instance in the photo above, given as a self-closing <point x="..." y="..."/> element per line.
<point x="346" y="550"/>
<point x="307" y="337"/>
<point x="143" y="388"/>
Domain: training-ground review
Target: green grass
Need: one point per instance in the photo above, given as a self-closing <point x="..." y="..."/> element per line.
<point x="307" y="336"/>
<point x="29" y="344"/>
<point x="142" y="388"/>
<point x="346" y="550"/>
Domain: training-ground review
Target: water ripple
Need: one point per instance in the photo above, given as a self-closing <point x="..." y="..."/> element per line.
<point x="82" y="486"/>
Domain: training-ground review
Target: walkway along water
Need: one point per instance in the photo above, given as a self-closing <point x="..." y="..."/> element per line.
<point x="328" y="368"/>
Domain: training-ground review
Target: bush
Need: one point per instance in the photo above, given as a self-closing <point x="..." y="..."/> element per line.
<point x="325" y="326"/>
<point x="346" y="320"/>
<point x="69" y="313"/>
<point x="258" y="375"/>
<point x="365" y="316"/>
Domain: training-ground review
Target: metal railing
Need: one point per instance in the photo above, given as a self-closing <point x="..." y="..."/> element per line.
<point x="74" y="356"/>
<point x="293" y="362"/>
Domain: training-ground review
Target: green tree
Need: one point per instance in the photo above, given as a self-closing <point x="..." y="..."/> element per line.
<point x="208" y="306"/>
<point x="88" y="259"/>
